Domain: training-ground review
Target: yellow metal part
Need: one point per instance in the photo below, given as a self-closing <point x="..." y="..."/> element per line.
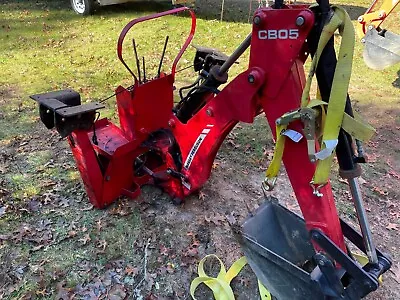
<point x="374" y="17"/>
<point x="363" y="260"/>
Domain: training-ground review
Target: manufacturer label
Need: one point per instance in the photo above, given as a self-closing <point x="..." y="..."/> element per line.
<point x="196" y="146"/>
<point x="293" y="135"/>
<point x="278" y="34"/>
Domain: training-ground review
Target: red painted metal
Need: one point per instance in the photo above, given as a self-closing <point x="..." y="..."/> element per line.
<point x="149" y="128"/>
<point x="151" y="17"/>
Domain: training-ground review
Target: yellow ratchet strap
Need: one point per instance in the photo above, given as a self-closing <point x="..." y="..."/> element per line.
<point x="333" y="116"/>
<point x="274" y="166"/>
<point x="337" y="100"/>
<point x="220" y="285"/>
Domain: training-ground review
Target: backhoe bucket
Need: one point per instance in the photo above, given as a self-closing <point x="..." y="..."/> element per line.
<point x="276" y="244"/>
<point x="382" y="49"/>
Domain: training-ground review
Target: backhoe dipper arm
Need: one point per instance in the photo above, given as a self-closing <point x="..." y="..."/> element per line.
<point x="375" y="16"/>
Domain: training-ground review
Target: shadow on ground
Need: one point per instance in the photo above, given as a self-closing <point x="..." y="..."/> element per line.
<point x="396" y="82"/>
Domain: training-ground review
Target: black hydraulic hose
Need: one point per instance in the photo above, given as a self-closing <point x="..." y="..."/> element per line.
<point x="325" y="73"/>
<point x="194" y="100"/>
<point x="235" y="55"/>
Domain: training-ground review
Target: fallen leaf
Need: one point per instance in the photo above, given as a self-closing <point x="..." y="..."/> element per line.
<point x="4" y="237"/>
<point x="48" y="198"/>
<point x="131" y="271"/>
<point x="215" y="165"/>
<point x="170" y="268"/>
<point x="37" y="248"/>
<point x="164" y="250"/>
<point x="245" y="281"/>
<point x="99" y="225"/>
<point x="71" y="233"/>
<point x="90" y="207"/>
<point x="64" y="203"/>
<point x="195" y="243"/>
<point x="102" y="244"/>
<point x="202" y="196"/>
<point x="380" y="191"/>
<point x="231" y="219"/>
<point x="121" y="210"/>
<point x="392" y="226"/>
<point x="192" y="252"/>
<point x="361" y="180"/>
<point x="41" y="292"/>
<point x="395" y="214"/>
<point x="22" y="232"/>
<point x="86" y="239"/>
<point x="63" y="293"/>
<point x="151" y="296"/>
<point x="231" y="142"/>
<point x="394" y="174"/>
<point x="217" y="219"/>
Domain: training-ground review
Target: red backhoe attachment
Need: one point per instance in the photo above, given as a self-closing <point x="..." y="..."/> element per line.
<point x="174" y="147"/>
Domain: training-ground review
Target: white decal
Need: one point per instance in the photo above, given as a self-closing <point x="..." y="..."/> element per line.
<point x="196" y="147"/>
<point x="275" y="34"/>
<point x="187" y="185"/>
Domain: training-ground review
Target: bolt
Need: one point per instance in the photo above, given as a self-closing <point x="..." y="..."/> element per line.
<point x="171" y="123"/>
<point x="315" y="236"/>
<point x="209" y="112"/>
<point x="360" y="19"/>
<point x="370" y="27"/>
<point x="363" y="41"/>
<point x="108" y="178"/>
<point x="251" y="78"/>
<point x="257" y="20"/>
<point x="321" y="263"/>
<point x="381" y="14"/>
<point x="300" y="21"/>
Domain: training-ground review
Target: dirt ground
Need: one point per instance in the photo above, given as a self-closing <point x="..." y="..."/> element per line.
<point x="172" y="239"/>
<point x="56" y="246"/>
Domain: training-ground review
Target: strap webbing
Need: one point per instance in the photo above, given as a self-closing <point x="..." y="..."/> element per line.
<point x="220" y="285"/>
<point x="337" y="100"/>
<point x="333" y="116"/>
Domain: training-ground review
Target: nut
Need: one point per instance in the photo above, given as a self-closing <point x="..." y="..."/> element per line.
<point x="300" y="21"/>
<point x="257" y="20"/>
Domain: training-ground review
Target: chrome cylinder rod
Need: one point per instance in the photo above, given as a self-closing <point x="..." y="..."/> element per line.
<point x="363" y="220"/>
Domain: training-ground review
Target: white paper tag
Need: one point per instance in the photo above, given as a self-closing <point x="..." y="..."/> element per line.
<point x="293" y="135"/>
<point x="330" y="146"/>
<point x="186" y="184"/>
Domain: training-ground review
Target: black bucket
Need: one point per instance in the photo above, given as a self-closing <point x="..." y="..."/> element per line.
<point x="278" y="249"/>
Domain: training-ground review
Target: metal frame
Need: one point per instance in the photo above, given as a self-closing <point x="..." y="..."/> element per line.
<point x="158" y="144"/>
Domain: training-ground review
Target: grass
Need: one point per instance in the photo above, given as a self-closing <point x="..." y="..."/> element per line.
<point x="44" y="46"/>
